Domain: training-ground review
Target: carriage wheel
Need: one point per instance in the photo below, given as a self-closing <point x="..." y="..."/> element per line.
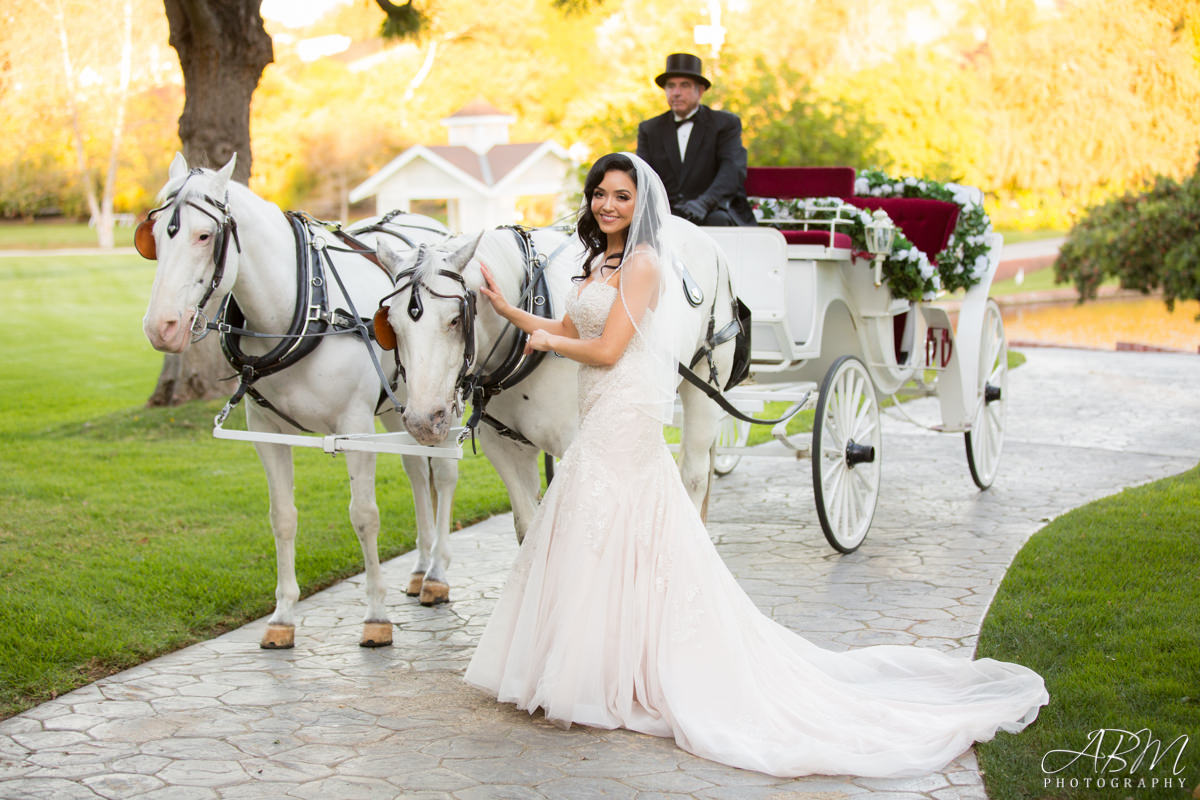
<point x="846" y="454"/>
<point x="986" y="437"/>
<point x="732" y="433"/>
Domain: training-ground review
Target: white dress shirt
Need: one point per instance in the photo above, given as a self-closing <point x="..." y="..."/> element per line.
<point x="683" y="131"/>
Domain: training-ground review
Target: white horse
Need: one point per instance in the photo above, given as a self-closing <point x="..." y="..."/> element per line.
<point x="214" y="237"/>
<point x="542" y="409"/>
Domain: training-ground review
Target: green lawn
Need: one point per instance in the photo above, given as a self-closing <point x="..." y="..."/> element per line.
<point x="1014" y="236"/>
<point x="128" y="531"/>
<point x="52" y="235"/>
<point x="1103" y="603"/>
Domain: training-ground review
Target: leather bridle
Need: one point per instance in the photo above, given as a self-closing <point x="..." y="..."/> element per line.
<point x="147" y="247"/>
<point x="412" y="279"/>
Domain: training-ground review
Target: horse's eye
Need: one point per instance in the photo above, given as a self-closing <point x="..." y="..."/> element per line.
<point x="204" y="237"/>
<point x="454" y="322"/>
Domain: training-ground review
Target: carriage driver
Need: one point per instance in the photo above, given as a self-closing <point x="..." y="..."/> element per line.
<point x="696" y="151"/>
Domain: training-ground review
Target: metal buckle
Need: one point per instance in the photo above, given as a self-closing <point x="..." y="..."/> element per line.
<point x="199" y="327"/>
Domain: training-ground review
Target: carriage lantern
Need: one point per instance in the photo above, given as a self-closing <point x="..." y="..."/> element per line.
<point x="880" y="233"/>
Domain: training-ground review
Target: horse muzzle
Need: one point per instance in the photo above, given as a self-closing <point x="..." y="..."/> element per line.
<point x="169" y="334"/>
<point x="427" y="428"/>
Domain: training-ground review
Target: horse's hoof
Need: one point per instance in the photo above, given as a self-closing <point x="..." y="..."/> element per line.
<point x="278" y="637"/>
<point x="376" y="634"/>
<point x="434" y="592"/>
<point x="414" y="584"/>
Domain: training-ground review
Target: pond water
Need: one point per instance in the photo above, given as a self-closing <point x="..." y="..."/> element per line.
<point x="1106" y="322"/>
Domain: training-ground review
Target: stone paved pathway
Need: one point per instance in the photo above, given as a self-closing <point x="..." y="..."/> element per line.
<point x="331" y="721"/>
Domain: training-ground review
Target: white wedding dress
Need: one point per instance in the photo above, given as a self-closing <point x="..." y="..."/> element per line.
<point x="619" y="612"/>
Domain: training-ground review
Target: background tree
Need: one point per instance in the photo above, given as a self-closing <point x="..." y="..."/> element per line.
<point x="67" y="86"/>
<point x="100" y="207"/>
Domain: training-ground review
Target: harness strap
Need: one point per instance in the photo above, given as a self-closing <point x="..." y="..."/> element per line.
<point x="258" y="397"/>
<point x="362" y="330"/>
<point x="505" y="431"/>
<point x="725" y="405"/>
<point x="311" y="301"/>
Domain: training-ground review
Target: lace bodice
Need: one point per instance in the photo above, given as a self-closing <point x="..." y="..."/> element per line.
<point x="589" y="309"/>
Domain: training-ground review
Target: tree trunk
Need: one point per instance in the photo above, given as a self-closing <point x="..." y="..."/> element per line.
<point x="223" y="49"/>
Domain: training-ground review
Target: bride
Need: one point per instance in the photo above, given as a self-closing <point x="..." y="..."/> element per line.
<point x="619" y="612"/>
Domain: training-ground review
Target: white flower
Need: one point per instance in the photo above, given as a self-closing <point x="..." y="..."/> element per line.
<point x="861" y="186"/>
<point x="926" y="270"/>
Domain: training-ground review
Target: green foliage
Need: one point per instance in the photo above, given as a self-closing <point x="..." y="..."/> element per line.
<point x="1117" y="646"/>
<point x="402" y="22"/>
<point x="786" y="123"/>
<point x="1148" y="240"/>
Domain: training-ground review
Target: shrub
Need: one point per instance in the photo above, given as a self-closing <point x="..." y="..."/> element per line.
<point x="1149" y="241"/>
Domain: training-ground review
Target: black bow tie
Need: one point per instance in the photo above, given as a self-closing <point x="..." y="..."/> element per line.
<point x="679" y="122"/>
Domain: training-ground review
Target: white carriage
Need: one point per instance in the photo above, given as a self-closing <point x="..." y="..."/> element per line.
<point x="829" y="335"/>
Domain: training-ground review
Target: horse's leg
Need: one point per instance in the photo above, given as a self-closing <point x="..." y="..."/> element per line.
<point x="434" y="588"/>
<point x="516" y="464"/>
<point x="364" y="516"/>
<point x="277" y="463"/>
<point x="419" y="478"/>
<point x="701" y="417"/>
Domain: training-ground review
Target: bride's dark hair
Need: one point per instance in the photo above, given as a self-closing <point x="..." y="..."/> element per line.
<point x="594" y="239"/>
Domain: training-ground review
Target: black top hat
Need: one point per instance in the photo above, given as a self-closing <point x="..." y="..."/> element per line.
<point x="683" y="65"/>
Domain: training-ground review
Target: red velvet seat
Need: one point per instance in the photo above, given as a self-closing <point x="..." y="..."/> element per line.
<point x="791" y="182"/>
<point x="926" y="223"/>
<point x="820" y="237"/>
<point x="788" y="183"/>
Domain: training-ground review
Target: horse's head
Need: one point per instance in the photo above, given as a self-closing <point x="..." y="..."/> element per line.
<point x="430" y="322"/>
<point x="190" y="237"/>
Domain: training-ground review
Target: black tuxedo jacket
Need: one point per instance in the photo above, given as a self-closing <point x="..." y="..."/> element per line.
<point x="714" y="167"/>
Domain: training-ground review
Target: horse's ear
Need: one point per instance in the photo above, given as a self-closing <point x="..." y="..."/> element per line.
<point x="462" y="256"/>
<point x="390" y="258"/>
<point x="226" y="172"/>
<point x="178" y="167"/>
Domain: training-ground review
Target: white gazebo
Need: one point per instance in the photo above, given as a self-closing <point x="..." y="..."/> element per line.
<point x="479" y="173"/>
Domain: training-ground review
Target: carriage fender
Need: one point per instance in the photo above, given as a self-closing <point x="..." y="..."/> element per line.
<point x="942" y="352"/>
<point x="960" y="386"/>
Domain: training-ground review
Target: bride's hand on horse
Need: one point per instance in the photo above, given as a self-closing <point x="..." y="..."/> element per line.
<point x="538" y="340"/>
<point x="492" y="292"/>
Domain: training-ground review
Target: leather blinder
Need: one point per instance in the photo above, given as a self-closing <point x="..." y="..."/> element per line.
<point x="143" y="239"/>
<point x="384" y="335"/>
